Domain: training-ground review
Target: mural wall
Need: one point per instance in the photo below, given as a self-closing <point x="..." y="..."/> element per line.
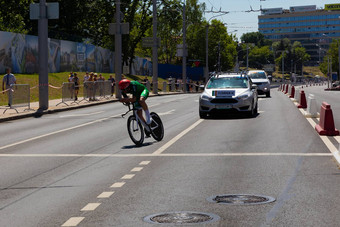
<point x="20" y="52"/>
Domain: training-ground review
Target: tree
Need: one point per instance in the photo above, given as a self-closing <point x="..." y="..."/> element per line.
<point x="14" y="16"/>
<point x="257" y="38"/>
<point x="259" y="56"/>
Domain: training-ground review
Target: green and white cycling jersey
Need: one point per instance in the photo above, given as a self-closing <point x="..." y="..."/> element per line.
<point x="137" y="90"/>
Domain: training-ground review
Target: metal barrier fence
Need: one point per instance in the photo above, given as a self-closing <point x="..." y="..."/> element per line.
<point x="94" y="90"/>
<point x="67" y="93"/>
<point x="19" y="96"/>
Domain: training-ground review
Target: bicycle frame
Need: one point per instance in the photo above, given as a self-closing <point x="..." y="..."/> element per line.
<point x="146" y="126"/>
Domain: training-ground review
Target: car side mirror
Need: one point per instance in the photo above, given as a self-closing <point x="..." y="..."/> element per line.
<point x="254" y="86"/>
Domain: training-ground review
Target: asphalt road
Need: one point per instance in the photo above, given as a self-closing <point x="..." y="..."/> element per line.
<point x="80" y="168"/>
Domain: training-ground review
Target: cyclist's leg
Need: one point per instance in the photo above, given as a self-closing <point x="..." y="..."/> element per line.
<point x="143" y="97"/>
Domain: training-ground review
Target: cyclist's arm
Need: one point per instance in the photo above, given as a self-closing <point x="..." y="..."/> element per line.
<point x="127" y="99"/>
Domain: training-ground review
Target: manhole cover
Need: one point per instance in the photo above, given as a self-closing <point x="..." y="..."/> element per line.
<point x="183" y="217"/>
<point x="241" y="199"/>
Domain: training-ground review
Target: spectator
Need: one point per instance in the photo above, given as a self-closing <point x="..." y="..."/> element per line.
<point x="70" y="77"/>
<point x="76" y="86"/>
<point x="9" y="80"/>
<point x="90" y="87"/>
<point x="86" y="77"/>
<point x="113" y="82"/>
<point x="95" y="77"/>
<point x="101" y="80"/>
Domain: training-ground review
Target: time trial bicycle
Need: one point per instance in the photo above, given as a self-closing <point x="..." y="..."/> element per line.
<point x="137" y="127"/>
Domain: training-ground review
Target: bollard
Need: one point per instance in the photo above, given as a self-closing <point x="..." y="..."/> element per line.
<point x="292" y="92"/>
<point x="326" y="124"/>
<point x="297" y="95"/>
<point x="303" y="101"/>
<point x="311" y="107"/>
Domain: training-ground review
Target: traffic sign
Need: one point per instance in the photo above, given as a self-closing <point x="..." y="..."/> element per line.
<point x="52" y="11"/>
<point x="148" y="42"/>
<point x="124" y="28"/>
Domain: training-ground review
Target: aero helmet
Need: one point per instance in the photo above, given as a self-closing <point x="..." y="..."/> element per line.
<point x="123" y="84"/>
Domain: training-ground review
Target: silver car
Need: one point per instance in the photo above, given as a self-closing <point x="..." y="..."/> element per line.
<point x="260" y="78"/>
<point x="228" y="93"/>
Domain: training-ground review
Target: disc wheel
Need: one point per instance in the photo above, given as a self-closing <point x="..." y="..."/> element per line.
<point x="157" y="129"/>
<point x="135" y="130"/>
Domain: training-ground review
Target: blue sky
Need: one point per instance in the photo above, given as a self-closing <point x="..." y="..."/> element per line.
<point x="248" y="22"/>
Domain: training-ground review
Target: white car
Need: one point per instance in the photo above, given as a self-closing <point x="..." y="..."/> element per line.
<point x="228" y="93"/>
<point x="260" y="78"/>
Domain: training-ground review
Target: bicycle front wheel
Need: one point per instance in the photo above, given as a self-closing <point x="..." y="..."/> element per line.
<point x="157" y="129"/>
<point x="135" y="130"/>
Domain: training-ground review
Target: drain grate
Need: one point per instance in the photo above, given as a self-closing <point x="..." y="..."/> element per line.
<point x="241" y="199"/>
<point x="183" y="217"/>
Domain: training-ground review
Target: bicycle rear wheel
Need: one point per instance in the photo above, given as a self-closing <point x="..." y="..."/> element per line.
<point x="135" y="130"/>
<point x="157" y="129"/>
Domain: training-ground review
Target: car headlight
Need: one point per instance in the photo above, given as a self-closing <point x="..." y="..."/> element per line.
<point x="206" y="97"/>
<point x="243" y="96"/>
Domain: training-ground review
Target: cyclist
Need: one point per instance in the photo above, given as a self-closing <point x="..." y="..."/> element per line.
<point x="139" y="94"/>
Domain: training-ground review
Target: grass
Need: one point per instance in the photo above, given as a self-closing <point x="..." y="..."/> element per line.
<point x="56" y="80"/>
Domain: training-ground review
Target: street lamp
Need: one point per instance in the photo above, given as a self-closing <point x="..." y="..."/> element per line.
<point x="338" y="52"/>
<point x="207" y="46"/>
<point x="283" y="64"/>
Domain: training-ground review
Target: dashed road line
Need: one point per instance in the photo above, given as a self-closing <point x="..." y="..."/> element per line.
<point x="90" y="207"/>
<point x="74" y="221"/>
<point x="117" y="185"/>
<point x="105" y="195"/>
<point x="137" y="169"/>
<point x="144" y="163"/>
<point x="128" y="177"/>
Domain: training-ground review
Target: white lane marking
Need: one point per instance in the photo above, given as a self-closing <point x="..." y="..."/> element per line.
<point x="161" y="155"/>
<point x="128" y="176"/>
<point x="56" y="132"/>
<point x="167" y="113"/>
<point x="74" y="221"/>
<point x="117" y="185"/>
<point x="81" y="115"/>
<point x="144" y="163"/>
<point x="90" y="207"/>
<point x="137" y="169"/>
<point x="172" y="141"/>
<point x="105" y="195"/>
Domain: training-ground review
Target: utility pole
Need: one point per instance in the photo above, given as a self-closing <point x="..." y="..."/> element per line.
<point x="184" y="63"/>
<point x="43" y="56"/>
<point x="154" y="48"/>
<point x="118" y="49"/>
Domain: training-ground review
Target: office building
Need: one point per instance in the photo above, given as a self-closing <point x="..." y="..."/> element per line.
<point x="313" y="27"/>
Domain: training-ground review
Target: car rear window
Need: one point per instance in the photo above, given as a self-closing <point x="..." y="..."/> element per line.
<point x="229" y="82"/>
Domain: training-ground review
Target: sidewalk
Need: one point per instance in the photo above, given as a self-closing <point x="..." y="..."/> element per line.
<point x="57" y="105"/>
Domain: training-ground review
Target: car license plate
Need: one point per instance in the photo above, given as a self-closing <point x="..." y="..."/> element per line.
<point x="225" y="93"/>
<point x="224" y="107"/>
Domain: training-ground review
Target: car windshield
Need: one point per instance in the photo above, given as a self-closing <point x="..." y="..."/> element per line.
<point x="257" y="75"/>
<point x="228" y="82"/>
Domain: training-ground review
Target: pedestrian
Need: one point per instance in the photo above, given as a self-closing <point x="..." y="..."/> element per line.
<point x="70" y="77"/>
<point x="100" y="82"/>
<point x="8" y="80"/>
<point x="113" y="82"/>
<point x="91" y="87"/>
<point x="76" y="86"/>
<point x="86" y="77"/>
